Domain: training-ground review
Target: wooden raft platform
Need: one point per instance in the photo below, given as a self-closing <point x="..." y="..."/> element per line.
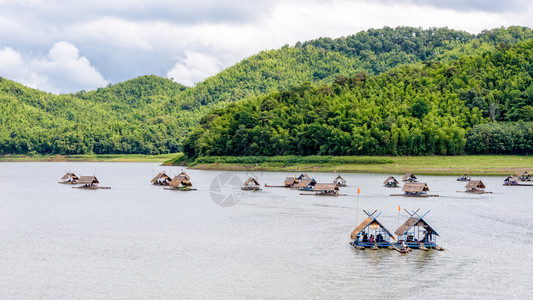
<point x="419" y="196"/>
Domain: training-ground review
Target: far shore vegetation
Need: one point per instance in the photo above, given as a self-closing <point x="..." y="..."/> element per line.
<point x="435" y="165"/>
<point x="89" y="157"/>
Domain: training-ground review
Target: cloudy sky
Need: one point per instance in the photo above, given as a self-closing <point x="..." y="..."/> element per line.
<point x="64" y="46"/>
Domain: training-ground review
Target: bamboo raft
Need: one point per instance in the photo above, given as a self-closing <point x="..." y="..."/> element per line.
<point x="92" y="187"/>
<point x="519" y="184"/>
<point x="180" y="189"/>
<point x="320" y="194"/>
<point x="420" y="196"/>
<point x="68" y="182"/>
<point x="475" y="192"/>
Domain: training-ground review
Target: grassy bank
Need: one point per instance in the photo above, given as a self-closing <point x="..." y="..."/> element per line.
<point x="90" y="158"/>
<point x="437" y="165"/>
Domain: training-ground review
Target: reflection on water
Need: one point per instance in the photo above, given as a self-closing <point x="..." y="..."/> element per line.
<point x="141" y="241"/>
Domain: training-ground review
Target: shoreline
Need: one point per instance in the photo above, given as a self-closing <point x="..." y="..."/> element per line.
<point x="476" y="165"/>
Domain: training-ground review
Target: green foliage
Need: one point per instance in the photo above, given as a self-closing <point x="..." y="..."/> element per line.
<point x="501" y="138"/>
<point x="410" y="110"/>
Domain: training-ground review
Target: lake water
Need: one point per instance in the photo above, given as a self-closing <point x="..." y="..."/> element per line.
<point x="138" y="241"/>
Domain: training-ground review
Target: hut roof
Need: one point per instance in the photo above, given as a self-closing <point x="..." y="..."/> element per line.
<point x="159" y="176"/>
<point x="368" y="221"/>
<point x="525" y="174"/>
<point x="180" y="180"/>
<point x="475" y="184"/>
<point x="251" y="180"/>
<point x="289" y="180"/>
<point x="70" y="175"/>
<point x="184" y="175"/>
<point x="304" y="176"/>
<point x="389" y="179"/>
<point x="415" y="187"/>
<point x="326" y="187"/>
<point x="88" y="180"/>
<point x="411" y="222"/>
<point x="305" y="183"/>
<point x="408" y="175"/>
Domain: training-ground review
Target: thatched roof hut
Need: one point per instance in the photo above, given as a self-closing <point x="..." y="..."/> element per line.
<point x="409" y="177"/>
<point x="70" y="176"/>
<point x="415" y="221"/>
<point x="161" y="178"/>
<point x="511" y="180"/>
<point x="475" y="185"/>
<point x="303" y="176"/>
<point x="415" y="188"/>
<point x="251" y="182"/>
<point x="391" y="181"/>
<point x="88" y="180"/>
<point x="326" y="187"/>
<point x="290" y="181"/>
<point x="305" y="183"/>
<point x="525" y="176"/>
<point x="339" y="181"/>
<point x="181" y="180"/>
<point x="372" y="223"/>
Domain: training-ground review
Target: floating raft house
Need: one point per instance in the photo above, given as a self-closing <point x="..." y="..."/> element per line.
<point x="339" y="181"/>
<point x="465" y="177"/>
<point x="417" y="233"/>
<point x="325" y="189"/>
<point x="69" y="178"/>
<point x="409" y="177"/>
<point x="512" y="181"/>
<point x="161" y="179"/>
<point x="251" y="185"/>
<point x="90" y="183"/>
<point x="476" y="187"/>
<point x="181" y="182"/>
<point x="371" y="234"/>
<point x="415" y="189"/>
<point x="391" y="182"/>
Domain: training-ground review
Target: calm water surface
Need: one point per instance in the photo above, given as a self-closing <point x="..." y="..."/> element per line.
<point x="138" y="241"/>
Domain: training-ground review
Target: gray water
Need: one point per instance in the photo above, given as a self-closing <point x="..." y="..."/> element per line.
<point x="138" y="241"/>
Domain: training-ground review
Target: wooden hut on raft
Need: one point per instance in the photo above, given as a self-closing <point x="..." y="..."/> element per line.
<point x="371" y="234"/>
<point x="415" y="189"/>
<point x="391" y="182"/>
<point x="288" y="183"/>
<point x="409" y="177"/>
<point x="305" y="184"/>
<point x="512" y="181"/>
<point x="251" y="185"/>
<point x="525" y="176"/>
<point x="464" y="177"/>
<point x="417" y="233"/>
<point x="339" y="181"/>
<point x="89" y="183"/>
<point x="69" y="178"/>
<point x="476" y="187"/>
<point x="181" y="182"/>
<point x="161" y="179"/>
<point x="325" y="189"/>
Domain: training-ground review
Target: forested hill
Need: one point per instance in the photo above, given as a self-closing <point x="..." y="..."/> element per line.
<point x="428" y="108"/>
<point x="152" y="115"/>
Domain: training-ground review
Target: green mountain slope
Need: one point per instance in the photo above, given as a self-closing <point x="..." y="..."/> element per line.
<point x="152" y="115"/>
<point x="418" y="109"/>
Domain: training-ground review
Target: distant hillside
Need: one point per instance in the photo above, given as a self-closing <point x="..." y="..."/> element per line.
<point x="152" y="115"/>
<point x="419" y="109"/>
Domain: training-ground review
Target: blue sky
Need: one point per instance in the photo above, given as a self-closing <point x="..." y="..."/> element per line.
<point x="66" y="46"/>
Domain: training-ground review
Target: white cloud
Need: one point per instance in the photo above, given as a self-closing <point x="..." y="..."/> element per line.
<point x="194" y="68"/>
<point x="63" y="70"/>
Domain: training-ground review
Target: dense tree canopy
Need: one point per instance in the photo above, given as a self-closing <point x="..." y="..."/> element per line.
<point x="410" y="110"/>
